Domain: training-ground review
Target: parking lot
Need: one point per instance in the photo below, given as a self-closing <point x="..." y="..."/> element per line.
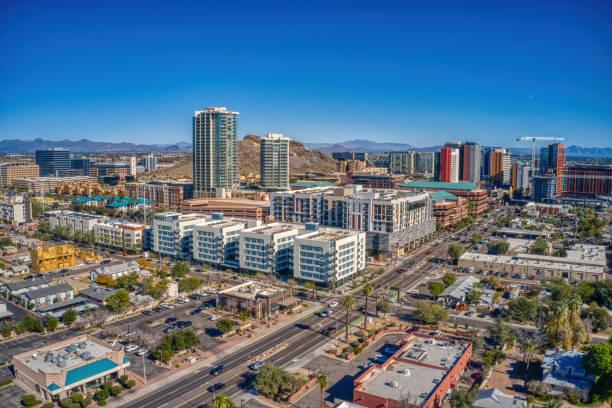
<point x="11" y="395"/>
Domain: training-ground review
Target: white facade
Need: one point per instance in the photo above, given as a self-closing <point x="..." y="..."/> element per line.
<point x="328" y="255"/>
<point x="173" y="232"/>
<point x="217" y="242"/>
<point x="115" y="271"/>
<point x="13" y="212"/>
<point x="268" y="248"/>
<point x="274" y="161"/>
<point x="455" y="165"/>
<point x="73" y="220"/>
<point x="119" y="234"/>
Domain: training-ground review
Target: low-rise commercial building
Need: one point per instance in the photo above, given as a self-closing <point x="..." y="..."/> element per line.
<point x="97" y="295"/>
<point x="257" y="299"/>
<point x="120" y="234"/>
<point x="47" y="295"/>
<point x="268" y="248"/>
<point x="328" y="256"/>
<point x="248" y="209"/>
<point x="46" y="185"/>
<point x="448" y="208"/>
<point x="115" y="271"/>
<point x="476" y="196"/>
<point x="52" y="257"/>
<point x="421" y="373"/>
<point x="77" y="364"/>
<point x="18" y="287"/>
<point x="165" y="194"/>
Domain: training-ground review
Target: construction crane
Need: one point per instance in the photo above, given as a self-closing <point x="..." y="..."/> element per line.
<point x="533" y="142"/>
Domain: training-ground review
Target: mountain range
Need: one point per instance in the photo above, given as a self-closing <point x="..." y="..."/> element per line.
<point x="357" y="145"/>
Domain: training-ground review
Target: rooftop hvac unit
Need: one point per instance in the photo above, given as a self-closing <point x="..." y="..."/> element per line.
<point x="48" y="357"/>
<point x="61" y="363"/>
<point x="82" y="345"/>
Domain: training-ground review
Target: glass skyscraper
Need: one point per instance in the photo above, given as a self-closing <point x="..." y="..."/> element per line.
<point x="215" y="158"/>
<point x="52" y="161"/>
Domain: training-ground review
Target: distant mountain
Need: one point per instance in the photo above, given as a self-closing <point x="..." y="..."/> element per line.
<point x="88" y="146"/>
<point x="588" y="151"/>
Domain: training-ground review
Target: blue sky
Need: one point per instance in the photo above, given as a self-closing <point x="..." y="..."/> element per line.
<point x="418" y="72"/>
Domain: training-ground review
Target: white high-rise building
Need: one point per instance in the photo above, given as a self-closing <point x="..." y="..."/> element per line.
<point x="215" y="157"/>
<point x="132" y="166"/>
<point x="274" y="161"/>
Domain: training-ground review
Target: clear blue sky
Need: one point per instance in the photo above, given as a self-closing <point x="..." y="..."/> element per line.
<point x="419" y="72"/>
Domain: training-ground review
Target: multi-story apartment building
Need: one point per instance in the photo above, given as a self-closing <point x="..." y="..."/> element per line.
<point x="74" y="221"/>
<point x="424" y="164"/>
<point x="544" y="188"/>
<point x="268" y="248"/>
<point x="52" y="257"/>
<point x="215" y="157"/>
<point x="15" y="210"/>
<point x="120" y="235"/>
<point x="173" y="233"/>
<point x="471" y="162"/>
<point x="60" y="292"/>
<point x="402" y="162"/>
<point x="274" y="162"/>
<point x="500" y="166"/>
<point x="149" y="161"/>
<point x="328" y="256"/>
<point x="217" y="241"/>
<point x="449" y="165"/>
<point x="587" y="180"/>
<point x="478" y="197"/>
<point x="167" y="195"/>
<point x="51" y="161"/>
<point x="520" y="176"/>
<point x="15" y="171"/>
<point x="394" y="221"/>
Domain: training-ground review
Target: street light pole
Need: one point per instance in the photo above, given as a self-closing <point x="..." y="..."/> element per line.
<point x="144" y="369"/>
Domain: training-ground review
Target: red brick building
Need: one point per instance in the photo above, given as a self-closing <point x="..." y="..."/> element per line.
<point x="478" y="197"/>
<point x="448" y="208"/>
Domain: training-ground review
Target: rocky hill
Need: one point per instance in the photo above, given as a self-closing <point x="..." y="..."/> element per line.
<point x="300" y="160"/>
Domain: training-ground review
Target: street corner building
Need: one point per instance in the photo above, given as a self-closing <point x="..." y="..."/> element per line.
<point x="420" y="374"/>
<point x="72" y="365"/>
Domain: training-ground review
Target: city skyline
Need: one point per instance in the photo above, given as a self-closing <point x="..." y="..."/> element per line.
<point x="386" y="72"/>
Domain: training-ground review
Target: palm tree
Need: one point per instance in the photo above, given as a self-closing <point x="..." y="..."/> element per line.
<point x="574" y="304"/>
<point x="367" y="290"/>
<point x="554" y="403"/>
<point x="221" y="401"/>
<point x="348" y="304"/>
<point x="322" y="383"/>
<point x="558" y="311"/>
<point x="528" y="348"/>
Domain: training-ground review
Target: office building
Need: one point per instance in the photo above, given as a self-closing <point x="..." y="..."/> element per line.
<point x="361" y="156"/>
<point x="215" y="158"/>
<point x="274" y="162"/>
<point x="81" y="164"/>
<point x="448" y="208"/>
<point x="51" y="161"/>
<point x="477" y="196"/>
<point x="459" y="146"/>
<point x="500" y="166"/>
<point x="471" y="162"/>
<point x="424" y="164"/>
<point x="394" y="221"/>
<point x="545" y="188"/>
<point x="260" y="301"/>
<point x="111" y="169"/>
<point x="149" y="161"/>
<point x="402" y="162"/>
<point x="167" y="195"/>
<point x="371" y="179"/>
<point x="57" y="370"/>
<point x="217" y="241"/>
<point x="587" y="180"/>
<point x="449" y="165"/>
<point x="520" y="176"/>
<point x="173" y="233"/>
<point x="268" y="248"/>
<point x="436" y="166"/>
<point x="10" y="172"/>
<point x="45" y="185"/>
<point x="552" y="159"/>
<point x="328" y="256"/>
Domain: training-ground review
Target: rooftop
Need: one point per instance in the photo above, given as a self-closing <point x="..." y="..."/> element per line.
<point x="463" y="185"/>
<point x="461" y="287"/>
<point x="443" y="195"/>
<point x="97" y="293"/>
<point x="494" y="398"/>
<point x="117" y="268"/>
<point x="583" y="254"/>
<point x="308" y="184"/>
<point x="435" y="352"/>
<point x="28" y="283"/>
<point x="48" y="291"/>
<point x="557" y="263"/>
<point x="328" y="234"/>
<point x="252" y="290"/>
<point x="274" y="228"/>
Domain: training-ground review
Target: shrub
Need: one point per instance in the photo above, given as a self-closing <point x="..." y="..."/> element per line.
<point x="48" y="405"/>
<point x="29" y="400"/>
<point x="365" y="344"/>
<point x="66" y="402"/>
<point x="107" y="385"/>
<point x="123" y="379"/>
<point x="5" y="331"/>
<point x="116" y="390"/>
<point x="102" y="395"/>
<point x="101" y="403"/>
<point x="77" y="397"/>
<point x="130" y="383"/>
<point x="357" y="350"/>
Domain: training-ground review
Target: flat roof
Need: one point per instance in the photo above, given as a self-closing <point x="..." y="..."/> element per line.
<point x="435" y="352"/>
<point x="580" y="253"/>
<point x="273" y="228"/>
<point x="399" y="378"/>
<point x="463" y="185"/>
<point x="533" y="263"/>
<point x="328" y="234"/>
<point x="251" y="290"/>
<point x="48" y="291"/>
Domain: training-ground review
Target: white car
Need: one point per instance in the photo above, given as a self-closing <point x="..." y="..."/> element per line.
<point x="131" y="347"/>
<point x="142" y="352"/>
<point x="167" y="306"/>
<point x="129" y="333"/>
<point x="333" y="304"/>
<point x="212" y="291"/>
<point x="74" y="278"/>
<point x="113" y="342"/>
<point x="214" y="317"/>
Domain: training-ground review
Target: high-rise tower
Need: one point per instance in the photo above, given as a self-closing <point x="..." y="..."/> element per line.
<point x="471" y="162"/>
<point x="215" y="159"/>
<point x="274" y="161"/>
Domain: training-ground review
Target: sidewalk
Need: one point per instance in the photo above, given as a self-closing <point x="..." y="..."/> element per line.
<point x="130" y="397"/>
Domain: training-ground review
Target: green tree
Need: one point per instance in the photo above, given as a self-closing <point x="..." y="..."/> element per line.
<point x="77" y="397"/>
<point x="189" y="284"/>
<point x="128" y="281"/>
<point x="501" y="333"/>
<point x="51" y="323"/>
<point x="540" y="246"/>
<point x="243" y="316"/>
<point x="179" y="270"/>
<point x="598" y="361"/>
<point x="463" y="398"/>
<point x="275" y="383"/>
<point x="522" y="309"/>
<point x="476" y="237"/>
<point x="554" y="403"/>
<point x="492" y="356"/>
<point x="477" y="341"/>
<point x="348" y="304"/>
<point x="221" y="401"/>
<point x="29" y="400"/>
<point x="116" y="390"/>
<point x="225" y="325"/>
<point x="69" y="317"/>
<point x="5" y="331"/>
<point x="449" y="278"/>
<point x="529" y="349"/>
<point x="384" y="307"/>
<point x="322" y="383"/>
<point x="430" y="312"/>
<point x="455" y="251"/>
<point x="367" y="291"/>
<point x="118" y="301"/>
<point x="561" y="253"/>
<point x="499" y="247"/>
<point x="310" y="285"/>
<point x="436" y="289"/>
<point x="473" y="297"/>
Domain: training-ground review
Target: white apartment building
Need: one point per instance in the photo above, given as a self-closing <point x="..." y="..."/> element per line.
<point x="14" y="211"/>
<point x="394" y="220"/>
<point x="119" y="234"/>
<point x="274" y="161"/>
<point x="74" y="221"/>
<point x="328" y="255"/>
<point x="218" y="242"/>
<point x="173" y="233"/>
<point x="268" y="248"/>
<point x="455" y="164"/>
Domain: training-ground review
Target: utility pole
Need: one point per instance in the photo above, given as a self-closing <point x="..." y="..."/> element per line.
<point x="144" y="369"/>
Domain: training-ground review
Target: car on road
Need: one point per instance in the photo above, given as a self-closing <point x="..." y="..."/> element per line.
<point x="400" y="271"/>
<point x="325" y="313"/>
<point x="170" y="329"/>
<point x="142" y="352"/>
<point x="333" y="304"/>
<point x="428" y="253"/>
<point x="482" y="315"/>
<point x="170" y="320"/>
<point x="196" y="311"/>
<point x="196" y="296"/>
<point x="414" y="291"/>
<point x="74" y="277"/>
<point x="157" y="309"/>
<point x="216" y="387"/>
<point x="257" y="365"/>
<point x="214" y="317"/>
<point x="182" y="300"/>
<point x="131" y="347"/>
<point x="147" y="313"/>
<point x="105" y="261"/>
<point x="129" y="333"/>
<point x="64" y="270"/>
<point x="470" y="313"/>
<point x="218" y="370"/>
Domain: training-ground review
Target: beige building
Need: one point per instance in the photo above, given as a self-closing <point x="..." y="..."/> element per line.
<point x="13" y="171"/>
<point x="119" y="234"/>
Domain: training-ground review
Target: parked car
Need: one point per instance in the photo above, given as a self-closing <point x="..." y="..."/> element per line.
<point x="196" y="311"/>
<point x="325" y="313"/>
<point x="470" y="313"/>
<point x="129" y="333"/>
<point x="142" y="352"/>
<point x="214" y="317"/>
<point x="157" y="309"/>
<point x="170" y="320"/>
<point x="170" y="329"/>
<point x="105" y="261"/>
<point x="167" y="306"/>
<point x="147" y="313"/>
<point x="131" y="347"/>
<point x="257" y="365"/>
<point x="333" y="304"/>
<point x="196" y="296"/>
<point x="184" y="324"/>
<point x="414" y="291"/>
<point x="389" y="350"/>
<point x="113" y="342"/>
<point x="218" y="370"/>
